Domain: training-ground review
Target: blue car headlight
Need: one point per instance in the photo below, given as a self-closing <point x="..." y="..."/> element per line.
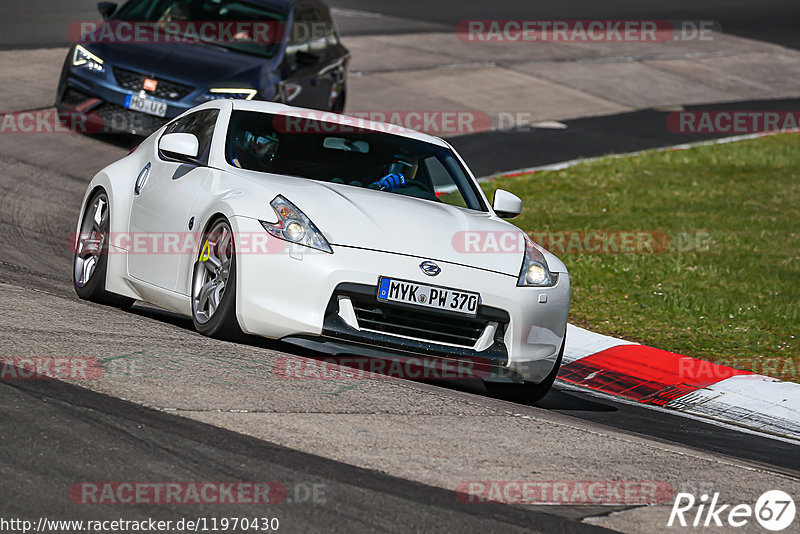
<point x="226" y="92"/>
<point x="84" y="59"/>
<point x="293" y="226"/>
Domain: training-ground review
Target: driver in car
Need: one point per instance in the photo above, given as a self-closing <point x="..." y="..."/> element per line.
<point x="396" y="178"/>
<point x="262" y="148"/>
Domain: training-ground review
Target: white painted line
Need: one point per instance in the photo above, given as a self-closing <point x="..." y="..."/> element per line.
<point x="550" y="125"/>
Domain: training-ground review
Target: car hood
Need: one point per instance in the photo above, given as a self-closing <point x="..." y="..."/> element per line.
<point x="195" y="64"/>
<point x="377" y="220"/>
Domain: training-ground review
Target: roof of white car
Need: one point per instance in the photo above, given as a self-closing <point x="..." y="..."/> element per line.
<point x="334" y="118"/>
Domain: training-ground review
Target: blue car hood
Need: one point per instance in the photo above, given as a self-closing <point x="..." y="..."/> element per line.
<point x="198" y="65"/>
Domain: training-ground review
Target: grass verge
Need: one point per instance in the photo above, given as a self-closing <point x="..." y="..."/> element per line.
<point x="721" y="277"/>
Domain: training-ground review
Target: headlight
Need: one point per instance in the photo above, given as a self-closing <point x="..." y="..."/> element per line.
<point x="534" y="270"/>
<point x="293" y="226"/>
<point x="86" y="60"/>
<point x="245" y="94"/>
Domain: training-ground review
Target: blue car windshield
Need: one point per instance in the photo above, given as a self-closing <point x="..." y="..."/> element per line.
<point x="336" y="153"/>
<point x="185" y="12"/>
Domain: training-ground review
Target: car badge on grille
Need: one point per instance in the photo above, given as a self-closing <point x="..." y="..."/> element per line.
<point x="429" y="268"/>
<point x="149" y="84"/>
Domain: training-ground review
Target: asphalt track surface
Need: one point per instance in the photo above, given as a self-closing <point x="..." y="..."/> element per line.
<point x="494" y="152"/>
<point x="774" y="21"/>
<point x="54" y="433"/>
<point x="43" y="23"/>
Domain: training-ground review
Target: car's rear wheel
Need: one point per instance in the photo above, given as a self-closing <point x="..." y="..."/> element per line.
<point x="526" y="391"/>
<point x="91" y="254"/>
<point x="214" y="284"/>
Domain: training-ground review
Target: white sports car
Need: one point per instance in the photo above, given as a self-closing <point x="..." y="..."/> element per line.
<point x="327" y="231"/>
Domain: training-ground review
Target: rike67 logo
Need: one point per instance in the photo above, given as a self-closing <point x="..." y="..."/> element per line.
<point x="774" y="510"/>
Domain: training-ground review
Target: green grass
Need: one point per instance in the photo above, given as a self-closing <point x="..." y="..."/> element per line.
<point x="735" y="299"/>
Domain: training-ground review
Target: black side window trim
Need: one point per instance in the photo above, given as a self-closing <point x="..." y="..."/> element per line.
<point x="172" y="126"/>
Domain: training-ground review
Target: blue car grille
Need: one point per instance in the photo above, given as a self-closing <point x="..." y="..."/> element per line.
<point x="166" y="89"/>
<point x="119" y="119"/>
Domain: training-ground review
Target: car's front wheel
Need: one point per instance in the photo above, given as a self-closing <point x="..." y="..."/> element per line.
<point x="91" y="254"/>
<point x="526" y="392"/>
<point x="214" y="285"/>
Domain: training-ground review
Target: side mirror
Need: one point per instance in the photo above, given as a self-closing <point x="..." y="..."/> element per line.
<point x="106" y="9"/>
<point x="179" y="145"/>
<point x="306" y="59"/>
<point x="506" y="205"/>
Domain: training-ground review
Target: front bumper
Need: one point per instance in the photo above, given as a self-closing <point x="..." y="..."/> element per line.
<point x="298" y="295"/>
<point x="101" y="97"/>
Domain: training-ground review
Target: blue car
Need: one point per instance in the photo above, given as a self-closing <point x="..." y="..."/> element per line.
<point x="139" y="69"/>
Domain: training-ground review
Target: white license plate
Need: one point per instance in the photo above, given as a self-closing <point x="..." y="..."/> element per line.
<point x="146" y="105"/>
<point x="423" y="295"/>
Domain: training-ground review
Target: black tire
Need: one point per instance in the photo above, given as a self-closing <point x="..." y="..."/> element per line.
<point x="222" y="322"/>
<point x="526" y="392"/>
<point x="90" y="280"/>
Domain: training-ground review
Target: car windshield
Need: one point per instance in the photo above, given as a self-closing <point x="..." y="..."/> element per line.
<point x="328" y="152"/>
<point x="219" y="11"/>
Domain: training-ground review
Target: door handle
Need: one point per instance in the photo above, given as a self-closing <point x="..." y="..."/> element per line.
<point x="144" y="174"/>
